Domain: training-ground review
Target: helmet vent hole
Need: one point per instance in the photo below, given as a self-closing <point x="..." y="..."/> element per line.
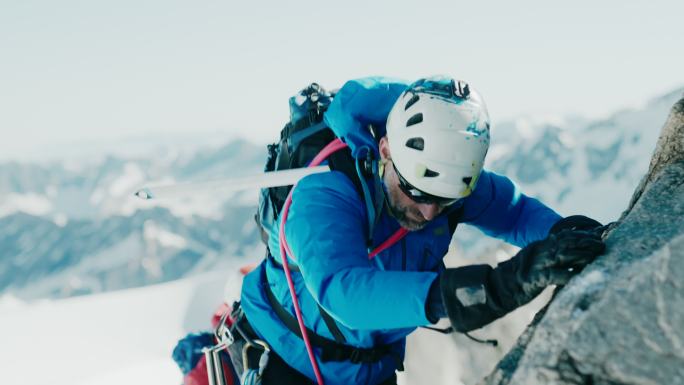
<point x="430" y="174"/>
<point x="467" y="180"/>
<point x="416" y="144"/>
<point x="412" y="101"/>
<point x="415" y="119"/>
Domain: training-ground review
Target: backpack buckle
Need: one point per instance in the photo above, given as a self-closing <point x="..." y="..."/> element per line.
<point x="355" y="356"/>
<point x="369" y="165"/>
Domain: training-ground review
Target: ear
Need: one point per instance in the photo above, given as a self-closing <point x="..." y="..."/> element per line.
<point x="383" y="147"/>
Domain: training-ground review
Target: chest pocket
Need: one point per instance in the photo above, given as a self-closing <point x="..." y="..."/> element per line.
<point x="437" y="244"/>
<point x="422" y="250"/>
<point x="425" y="250"/>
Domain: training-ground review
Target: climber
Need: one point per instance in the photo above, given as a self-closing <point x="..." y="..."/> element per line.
<point x="423" y="173"/>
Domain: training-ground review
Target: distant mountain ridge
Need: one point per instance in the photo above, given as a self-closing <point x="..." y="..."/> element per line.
<point x="69" y="229"/>
<point x="589" y="168"/>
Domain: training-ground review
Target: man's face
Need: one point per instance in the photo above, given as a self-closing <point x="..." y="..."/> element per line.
<point x="410" y="214"/>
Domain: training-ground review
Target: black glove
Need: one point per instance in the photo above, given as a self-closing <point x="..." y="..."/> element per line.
<point x="476" y="295"/>
<point x="574" y="222"/>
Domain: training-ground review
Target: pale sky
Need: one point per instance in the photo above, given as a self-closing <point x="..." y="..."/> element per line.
<point x="91" y="70"/>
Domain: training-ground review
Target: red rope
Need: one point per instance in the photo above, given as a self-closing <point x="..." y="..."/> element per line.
<point x="396" y="237"/>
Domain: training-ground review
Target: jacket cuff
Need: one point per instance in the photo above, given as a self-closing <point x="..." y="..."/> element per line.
<point x="466" y="297"/>
<point x="434" y="307"/>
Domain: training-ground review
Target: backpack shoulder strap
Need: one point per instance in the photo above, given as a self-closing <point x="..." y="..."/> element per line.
<point x="454" y="218"/>
<point x="343" y="162"/>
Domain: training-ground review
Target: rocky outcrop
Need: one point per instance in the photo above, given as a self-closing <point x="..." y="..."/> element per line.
<point x="621" y="321"/>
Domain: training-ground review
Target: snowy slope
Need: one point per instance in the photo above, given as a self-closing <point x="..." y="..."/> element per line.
<point x="122" y="337"/>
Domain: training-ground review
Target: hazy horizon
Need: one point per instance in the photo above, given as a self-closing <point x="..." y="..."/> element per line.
<point x="75" y="73"/>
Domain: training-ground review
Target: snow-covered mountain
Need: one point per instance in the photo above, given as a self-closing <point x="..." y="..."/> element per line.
<point x="71" y="228"/>
<point x="576" y="166"/>
<point x="586" y="167"/>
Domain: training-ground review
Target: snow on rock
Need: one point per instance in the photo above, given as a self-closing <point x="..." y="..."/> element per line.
<point x="60" y="219"/>
<point x="153" y="232"/>
<point x="29" y="203"/>
<point x="128" y="181"/>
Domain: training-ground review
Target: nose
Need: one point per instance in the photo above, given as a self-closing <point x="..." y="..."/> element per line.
<point x="429" y="211"/>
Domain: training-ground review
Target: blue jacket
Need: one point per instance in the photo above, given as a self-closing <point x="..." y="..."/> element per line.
<point x="378" y="301"/>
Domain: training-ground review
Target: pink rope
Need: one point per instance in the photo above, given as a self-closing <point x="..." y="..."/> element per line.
<point x="285" y="250"/>
<point x="396" y="237"/>
<point x="333" y="146"/>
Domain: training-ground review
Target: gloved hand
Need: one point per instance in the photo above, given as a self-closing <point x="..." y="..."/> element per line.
<point x="575" y="222"/>
<point x="476" y="295"/>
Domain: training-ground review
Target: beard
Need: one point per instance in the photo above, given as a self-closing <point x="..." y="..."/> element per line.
<point x="407" y="217"/>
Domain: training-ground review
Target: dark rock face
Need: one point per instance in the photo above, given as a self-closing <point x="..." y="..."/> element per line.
<point x="622" y="320"/>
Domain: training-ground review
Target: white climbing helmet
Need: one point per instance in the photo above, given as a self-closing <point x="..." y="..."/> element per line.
<point x="438" y="133"/>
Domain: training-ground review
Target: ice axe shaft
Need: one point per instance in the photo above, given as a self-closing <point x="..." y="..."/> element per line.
<point x="263" y="180"/>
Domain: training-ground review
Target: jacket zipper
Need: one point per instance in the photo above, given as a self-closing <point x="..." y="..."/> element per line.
<point x="403" y="254"/>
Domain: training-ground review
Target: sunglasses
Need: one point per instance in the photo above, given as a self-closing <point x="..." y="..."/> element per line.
<point x="419" y="196"/>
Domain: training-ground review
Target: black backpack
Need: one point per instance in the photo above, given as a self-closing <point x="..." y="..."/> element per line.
<point x="302" y="138"/>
